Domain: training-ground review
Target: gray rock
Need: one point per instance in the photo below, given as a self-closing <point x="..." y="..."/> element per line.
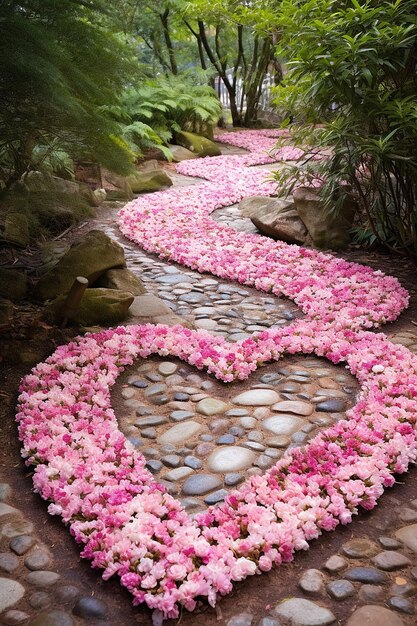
<point x="335" y="564"/>
<point x="408" y="536"/>
<point x="154" y="466"/>
<point x="211" y="406"/>
<point x="88" y="607"/>
<point x="282" y="424"/>
<point x="243" y="619"/>
<point x="200" y="484"/>
<point x="52" y="618"/>
<point x="371" y="593"/>
<point x="215" y="497"/>
<point x="300" y="612"/>
<point x="230" y="459"/>
<point x="312" y="582"/>
<point x="10" y="592"/>
<point x="20" y="545"/>
<point x="155" y="390"/>
<point x="5" y="491"/>
<point x="359" y="548"/>
<point x="269" y="621"/>
<point x="180" y="432"/>
<point x="12" y="618"/>
<point x="180" y="416"/>
<point x="373" y="615"/>
<point x="340" y="589"/>
<point x="43" y="578"/>
<point x="8" y="562"/>
<point x="332" y="406"/>
<point x="257" y="397"/>
<point x="38" y="559"/>
<point x="150" y="420"/>
<point x="17" y="527"/>
<point x="389" y="560"/>
<point x="225" y="440"/>
<point x="179" y="473"/>
<point x="40" y="600"/>
<point x="367" y="575"/>
<point x="148" y="433"/>
<point x="408" y="515"/>
<point x="171" y="460"/>
<point x="389" y="543"/>
<point x="66" y="593"/>
<point x="193" y="462"/>
<point x="401" y="604"/>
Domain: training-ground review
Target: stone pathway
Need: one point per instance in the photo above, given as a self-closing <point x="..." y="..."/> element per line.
<point x="201" y="438"/>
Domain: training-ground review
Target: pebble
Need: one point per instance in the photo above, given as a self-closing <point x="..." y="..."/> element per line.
<point x="389" y="543"/>
<point x="193" y="462"/>
<point x="269" y="621"/>
<point x="38" y="560"/>
<point x="373" y="615"/>
<point x="282" y="424"/>
<point x="155" y="390"/>
<point x="340" y="589"/>
<point x="15" y="617"/>
<point x="88" y="607"/>
<point x="66" y="593"/>
<point x="294" y="406"/>
<point x="371" y="593"/>
<point x="17" y="527"/>
<point x="10" y="592"/>
<point x="171" y="460"/>
<point x="408" y="536"/>
<point x="335" y="564"/>
<point x="148" y="433"/>
<point x="233" y="479"/>
<point x="312" y="582"/>
<point x="166" y="368"/>
<point x="359" y="548"/>
<point x="180" y="432"/>
<point x="40" y="600"/>
<point x="257" y="397"/>
<point x="200" y="484"/>
<point x="8" y="562"/>
<point x="331" y="406"/>
<point x="300" y="612"/>
<point x="230" y="459"/>
<point x="408" y="515"/>
<point x="401" y="604"/>
<point x="367" y="575"/>
<point x="216" y="496"/>
<point x="52" y="618"/>
<point x="43" y="578"/>
<point x="180" y="416"/>
<point x="211" y="406"/>
<point x="154" y="466"/>
<point x="225" y="440"/>
<point x="150" y="420"/>
<point x="179" y="473"/>
<point x="389" y="560"/>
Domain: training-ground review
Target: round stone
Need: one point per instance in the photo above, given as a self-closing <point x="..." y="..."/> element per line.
<point x="215" y="497"/>
<point x="280" y="441"/>
<point x="166" y="368"/>
<point x="38" y="560"/>
<point x="40" y="600"/>
<point x="233" y="479"/>
<point x="230" y="459"/>
<point x="340" y="589"/>
<point x="225" y="440"/>
<point x="154" y="466"/>
<point x="206" y="323"/>
<point x="247" y="422"/>
<point x="243" y="619"/>
<point x="312" y="582"/>
<point x="88" y="607"/>
<point x="15" y="617"/>
<point x="179" y="473"/>
<point x="373" y="615"/>
<point x="359" y="548"/>
<point x="180" y="432"/>
<point x="294" y="406"/>
<point x="8" y="562"/>
<point x="10" y="592"/>
<point x="367" y="575"/>
<point x="200" y="484"/>
<point x="211" y="406"/>
<point x="371" y="593"/>
<point x="304" y="613"/>
<point x="257" y="397"/>
<point x="389" y="543"/>
<point x="193" y="462"/>
<point x="401" y="604"/>
<point x="335" y="564"/>
<point x="52" y="618"/>
<point x="389" y="560"/>
<point x="42" y="578"/>
<point x="20" y="545"/>
<point x="171" y="460"/>
<point x="408" y="536"/>
<point x="334" y="405"/>
<point x="282" y="424"/>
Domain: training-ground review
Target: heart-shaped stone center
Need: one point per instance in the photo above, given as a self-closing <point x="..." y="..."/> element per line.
<point x="202" y="438"/>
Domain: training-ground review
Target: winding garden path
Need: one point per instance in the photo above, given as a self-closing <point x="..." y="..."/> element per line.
<point x="200" y="438"/>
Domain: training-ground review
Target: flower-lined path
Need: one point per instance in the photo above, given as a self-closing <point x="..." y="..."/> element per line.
<point x="373" y="299"/>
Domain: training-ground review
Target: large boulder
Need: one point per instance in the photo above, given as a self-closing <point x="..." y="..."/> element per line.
<point x="275" y="217"/>
<point x="91" y="257"/>
<point x="201" y="146"/>
<point x="123" y="280"/>
<point x="97" y="306"/>
<point x="16" y="230"/>
<point x="327" y="228"/>
<point x="179" y="153"/>
<point x="117" y="187"/>
<point x="12" y="284"/>
<point x="148" y="181"/>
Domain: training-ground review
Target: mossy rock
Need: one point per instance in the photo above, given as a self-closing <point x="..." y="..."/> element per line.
<point x="123" y="280"/>
<point x="179" y="153"/>
<point x="98" y="306"/>
<point x="148" y="181"/>
<point x="201" y="146"/>
<point x="12" y="284"/>
<point x="16" y="230"/>
<point x="91" y="257"/>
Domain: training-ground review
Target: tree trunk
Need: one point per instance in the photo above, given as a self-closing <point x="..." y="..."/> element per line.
<point x="168" y="41"/>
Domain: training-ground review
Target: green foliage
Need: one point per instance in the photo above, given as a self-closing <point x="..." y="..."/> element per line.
<point x="151" y="113"/>
<point x="60" y="65"/>
<point x="353" y="66"/>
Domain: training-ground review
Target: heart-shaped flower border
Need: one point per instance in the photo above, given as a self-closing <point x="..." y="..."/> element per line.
<point x="130" y="526"/>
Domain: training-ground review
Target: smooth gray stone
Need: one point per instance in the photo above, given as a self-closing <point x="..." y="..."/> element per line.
<point x="216" y="496"/>
<point x="367" y="575"/>
<point x="200" y="484"/>
<point x="332" y="406"/>
<point x="300" y="612"/>
<point x="340" y="589"/>
<point x="150" y="420"/>
<point x="88" y="607"/>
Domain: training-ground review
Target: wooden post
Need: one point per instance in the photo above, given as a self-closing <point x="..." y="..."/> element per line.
<point x="72" y="303"/>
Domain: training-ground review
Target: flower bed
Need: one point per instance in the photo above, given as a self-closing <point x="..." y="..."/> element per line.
<point x="98" y="483"/>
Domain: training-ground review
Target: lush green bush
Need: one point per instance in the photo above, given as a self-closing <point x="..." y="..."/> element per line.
<point x="352" y="65"/>
<point x="153" y="111"/>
